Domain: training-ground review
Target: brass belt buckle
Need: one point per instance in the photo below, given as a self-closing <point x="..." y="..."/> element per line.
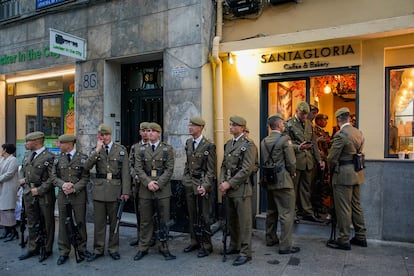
<point x="153" y="173"/>
<point x="109" y="176"/>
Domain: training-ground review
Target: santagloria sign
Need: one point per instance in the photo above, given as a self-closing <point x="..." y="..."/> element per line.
<point x="305" y="54"/>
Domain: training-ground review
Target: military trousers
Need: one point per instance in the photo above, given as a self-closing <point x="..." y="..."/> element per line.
<point x="79" y="217"/>
<point x="192" y="214"/>
<point x="47" y="213"/>
<point x="239" y="217"/>
<point x="303" y="184"/>
<point x="280" y="206"/>
<point x="348" y="210"/>
<point x="136" y="205"/>
<point x="102" y="211"/>
<point x="147" y="223"/>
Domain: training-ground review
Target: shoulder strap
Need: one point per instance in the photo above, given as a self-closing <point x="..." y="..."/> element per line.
<point x="273" y="147"/>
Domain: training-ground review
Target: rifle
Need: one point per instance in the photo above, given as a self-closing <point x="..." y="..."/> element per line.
<point x="72" y="231"/>
<point x="161" y="230"/>
<point x="224" y="224"/>
<point x="39" y="229"/>
<point x="332" y="236"/>
<point x="316" y="197"/>
<point x="119" y="214"/>
<point x="23" y="220"/>
<point x="201" y="229"/>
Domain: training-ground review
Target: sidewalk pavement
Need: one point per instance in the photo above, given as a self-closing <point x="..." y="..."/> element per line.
<point x="380" y="258"/>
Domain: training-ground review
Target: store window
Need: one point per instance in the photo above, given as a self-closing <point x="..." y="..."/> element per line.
<point x="328" y="90"/>
<point x="400" y="116"/>
<point x="45" y="105"/>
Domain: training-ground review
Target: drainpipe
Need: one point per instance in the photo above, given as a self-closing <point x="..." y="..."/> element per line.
<point x="218" y="89"/>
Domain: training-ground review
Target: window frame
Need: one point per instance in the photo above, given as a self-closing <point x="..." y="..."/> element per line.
<point x="388" y="109"/>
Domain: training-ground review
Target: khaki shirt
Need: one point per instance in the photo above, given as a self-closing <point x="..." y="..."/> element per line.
<point x="238" y="163"/>
<point x="155" y="165"/>
<point x="283" y="156"/>
<point x="305" y="159"/>
<point x="201" y="165"/>
<point x="345" y="144"/>
<point x="74" y="172"/>
<point x="112" y="173"/>
<point x="37" y="174"/>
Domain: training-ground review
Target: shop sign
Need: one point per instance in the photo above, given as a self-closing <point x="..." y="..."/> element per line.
<point x="29" y="55"/>
<point x="67" y="44"/>
<point x="40" y="4"/>
<point x="310" y="58"/>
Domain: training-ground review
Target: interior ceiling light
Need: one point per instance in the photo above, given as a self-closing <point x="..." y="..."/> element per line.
<point x="41" y="76"/>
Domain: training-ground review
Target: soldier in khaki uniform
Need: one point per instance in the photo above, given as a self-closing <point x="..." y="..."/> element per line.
<point x="198" y="180"/>
<point x="300" y="130"/>
<point x="346" y="183"/>
<point x="277" y="149"/>
<point x="143" y="133"/>
<point x="35" y="178"/>
<point x="238" y="164"/>
<point x="154" y="165"/>
<point x="71" y="178"/>
<point x="322" y="136"/>
<point x="112" y="183"/>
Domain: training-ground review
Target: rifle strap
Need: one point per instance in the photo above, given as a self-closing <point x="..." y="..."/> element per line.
<point x="271" y="150"/>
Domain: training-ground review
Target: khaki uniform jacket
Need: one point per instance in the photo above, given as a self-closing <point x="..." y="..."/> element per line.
<point x="133" y="173"/>
<point x="74" y="172"/>
<point x="283" y="156"/>
<point x="344" y="145"/>
<point x="115" y="163"/>
<point x="155" y="165"/>
<point x="201" y="164"/>
<point x="37" y="173"/>
<point x="305" y="159"/>
<point x="235" y="172"/>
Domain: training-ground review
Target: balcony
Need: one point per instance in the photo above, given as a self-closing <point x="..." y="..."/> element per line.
<point x="9" y="9"/>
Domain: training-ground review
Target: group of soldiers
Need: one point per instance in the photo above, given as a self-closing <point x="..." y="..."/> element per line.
<point x="145" y="173"/>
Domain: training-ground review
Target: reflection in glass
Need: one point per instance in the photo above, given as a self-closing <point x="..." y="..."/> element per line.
<point x="401" y="111"/>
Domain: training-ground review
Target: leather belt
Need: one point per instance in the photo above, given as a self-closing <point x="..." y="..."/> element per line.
<point x="345" y="162"/>
<point x="196" y="176"/>
<point x="104" y="175"/>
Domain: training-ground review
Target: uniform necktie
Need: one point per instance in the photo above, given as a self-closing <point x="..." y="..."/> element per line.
<point x="234" y="142"/>
<point x="69" y="156"/>
<point x="107" y="149"/>
<point x="153" y="147"/>
<point x="33" y="156"/>
<point x="194" y="145"/>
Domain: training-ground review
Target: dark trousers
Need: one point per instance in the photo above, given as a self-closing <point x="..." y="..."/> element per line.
<point x="102" y="211"/>
<point x="47" y="212"/>
<point x="280" y="206"/>
<point x="240" y="224"/>
<point x="79" y="217"/>
<point x="147" y="222"/>
<point x="192" y="216"/>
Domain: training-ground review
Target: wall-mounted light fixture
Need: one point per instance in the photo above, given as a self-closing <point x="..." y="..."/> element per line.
<point x="327" y="89"/>
<point x="230" y="58"/>
<point x="41" y="76"/>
